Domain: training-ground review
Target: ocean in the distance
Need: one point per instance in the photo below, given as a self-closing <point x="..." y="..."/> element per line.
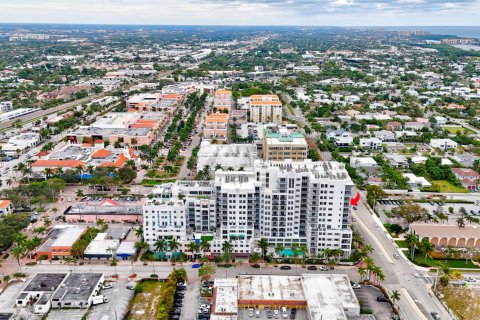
<point x="467" y="32"/>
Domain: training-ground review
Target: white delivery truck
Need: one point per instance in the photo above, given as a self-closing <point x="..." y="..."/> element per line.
<point x="99" y="299"/>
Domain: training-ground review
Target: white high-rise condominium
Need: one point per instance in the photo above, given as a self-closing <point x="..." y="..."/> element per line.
<point x="288" y="203"/>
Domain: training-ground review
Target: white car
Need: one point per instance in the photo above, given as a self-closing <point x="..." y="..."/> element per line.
<point x="257" y="313"/>
<point x="250" y="313"/>
<point x="107" y="285"/>
<point x="356" y="286"/>
<point x="396" y="256"/>
<point x="276" y="314"/>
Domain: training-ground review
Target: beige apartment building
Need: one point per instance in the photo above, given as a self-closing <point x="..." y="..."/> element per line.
<point x="281" y="143"/>
<point x="265" y="108"/>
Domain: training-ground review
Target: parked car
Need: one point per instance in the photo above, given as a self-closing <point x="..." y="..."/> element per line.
<point x="312" y="268"/>
<point x="276" y="314"/>
<point x="324" y="268"/>
<point x="285" y="268"/>
<point x="356" y="286"/>
<point x="250" y="313"/>
<point x="382" y="299"/>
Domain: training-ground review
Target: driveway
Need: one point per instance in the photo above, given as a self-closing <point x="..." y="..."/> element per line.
<point x="116" y="307"/>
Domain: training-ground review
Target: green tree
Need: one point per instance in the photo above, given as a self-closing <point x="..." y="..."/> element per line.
<point x="263" y="244"/>
<point x="374" y="193"/>
<point x="206" y="271"/>
<point x="412" y="242"/>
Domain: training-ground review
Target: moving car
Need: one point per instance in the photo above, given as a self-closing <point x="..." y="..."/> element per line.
<point x="396" y="256"/>
<point x="435" y="315"/>
<point x="356" y="286"/>
<point x="108" y="285"/>
<point x="382" y="299"/>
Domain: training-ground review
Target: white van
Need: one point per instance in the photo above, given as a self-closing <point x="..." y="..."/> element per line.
<point x="284" y="313"/>
<point x="99" y="299"/>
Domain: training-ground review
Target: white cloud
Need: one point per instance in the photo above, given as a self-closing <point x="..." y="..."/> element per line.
<point x="244" y="12"/>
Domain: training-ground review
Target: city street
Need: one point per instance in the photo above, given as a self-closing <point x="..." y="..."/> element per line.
<point x="399" y="273"/>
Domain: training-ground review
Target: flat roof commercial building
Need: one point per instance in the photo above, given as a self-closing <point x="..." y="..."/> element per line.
<point x="125" y="250"/>
<point x="60" y="241"/>
<point x="317" y="296"/>
<point x="108" y="210"/>
<point x="77" y="290"/>
<point x="101" y="247"/>
<point x="234" y="156"/>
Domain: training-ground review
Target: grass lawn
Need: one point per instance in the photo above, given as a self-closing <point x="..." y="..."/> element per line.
<point x="445" y="186"/>
<point x="454" y="129"/>
<point x="420" y="260"/>
<point x="401" y="243"/>
<point x="145" y="304"/>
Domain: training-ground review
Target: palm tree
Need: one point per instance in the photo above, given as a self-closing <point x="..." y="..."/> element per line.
<point x="395" y="296"/>
<point x="173" y="246"/>
<point x="204" y="245"/>
<point x="362" y="272"/>
<point x="460" y="222"/>
<point x="427" y="247"/>
<point x="279" y="249"/>
<point x="133" y="258"/>
<point x="304" y="251"/>
<point x="193" y="247"/>
<point x="18" y="252"/>
<point x="139" y="232"/>
<point x="263" y="244"/>
<point x="79" y="193"/>
<point x="160" y="245"/>
<point x="412" y="242"/>
<point x="48" y="172"/>
<point x="227" y="249"/>
<point x="327" y="252"/>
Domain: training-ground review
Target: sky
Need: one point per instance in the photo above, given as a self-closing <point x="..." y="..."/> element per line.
<point x="245" y="12"/>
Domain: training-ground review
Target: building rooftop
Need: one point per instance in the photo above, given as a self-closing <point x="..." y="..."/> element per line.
<point x="58" y="163"/>
<point x="282" y="135"/>
<point x="106" y="207"/>
<point x="445" y="230"/>
<point x="77" y="286"/>
<point x="227" y="155"/>
<point x="45" y="282"/>
<point x="270" y="287"/>
<point x="126" y="247"/>
<point x="328" y="296"/>
<point x="102" y="246"/>
<point x="69" y="237"/>
<point x="225" y="291"/>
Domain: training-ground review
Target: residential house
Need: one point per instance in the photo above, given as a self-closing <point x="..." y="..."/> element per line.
<point x="443" y="144"/>
<point x="468" y="177"/>
<point x="371" y="143"/>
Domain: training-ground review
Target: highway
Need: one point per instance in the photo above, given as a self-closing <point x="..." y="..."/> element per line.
<point x="400" y="273"/>
<point x="42" y="113"/>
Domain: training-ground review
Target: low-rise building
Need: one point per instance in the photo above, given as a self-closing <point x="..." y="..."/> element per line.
<point x="315" y="296"/>
<point x="60" y="241"/>
<point x="110" y="211"/>
<point x="468" y="177"/>
<point x="448" y="235"/>
<point x="101" y="247"/>
<point x="363" y="162"/>
<point x="397" y="160"/>
<point x="6" y="207"/>
<point x="415" y="182"/>
<point x="385" y="136"/>
<point x="226" y="156"/>
<point x="443" y="144"/>
<point x="371" y="143"/>
<point x="223" y="100"/>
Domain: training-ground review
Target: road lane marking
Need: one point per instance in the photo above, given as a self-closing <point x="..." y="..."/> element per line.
<point x="408" y="297"/>
<point x="385" y="253"/>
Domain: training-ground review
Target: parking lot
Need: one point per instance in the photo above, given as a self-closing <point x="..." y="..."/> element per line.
<point x="432" y="206"/>
<point x="244" y="314"/>
<point x="117" y="305"/>
<point x="367" y="297"/>
<point x="191" y="301"/>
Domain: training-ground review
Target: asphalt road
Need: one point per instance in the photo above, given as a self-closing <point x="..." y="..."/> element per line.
<point x="417" y="300"/>
<point x="42" y="113"/>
